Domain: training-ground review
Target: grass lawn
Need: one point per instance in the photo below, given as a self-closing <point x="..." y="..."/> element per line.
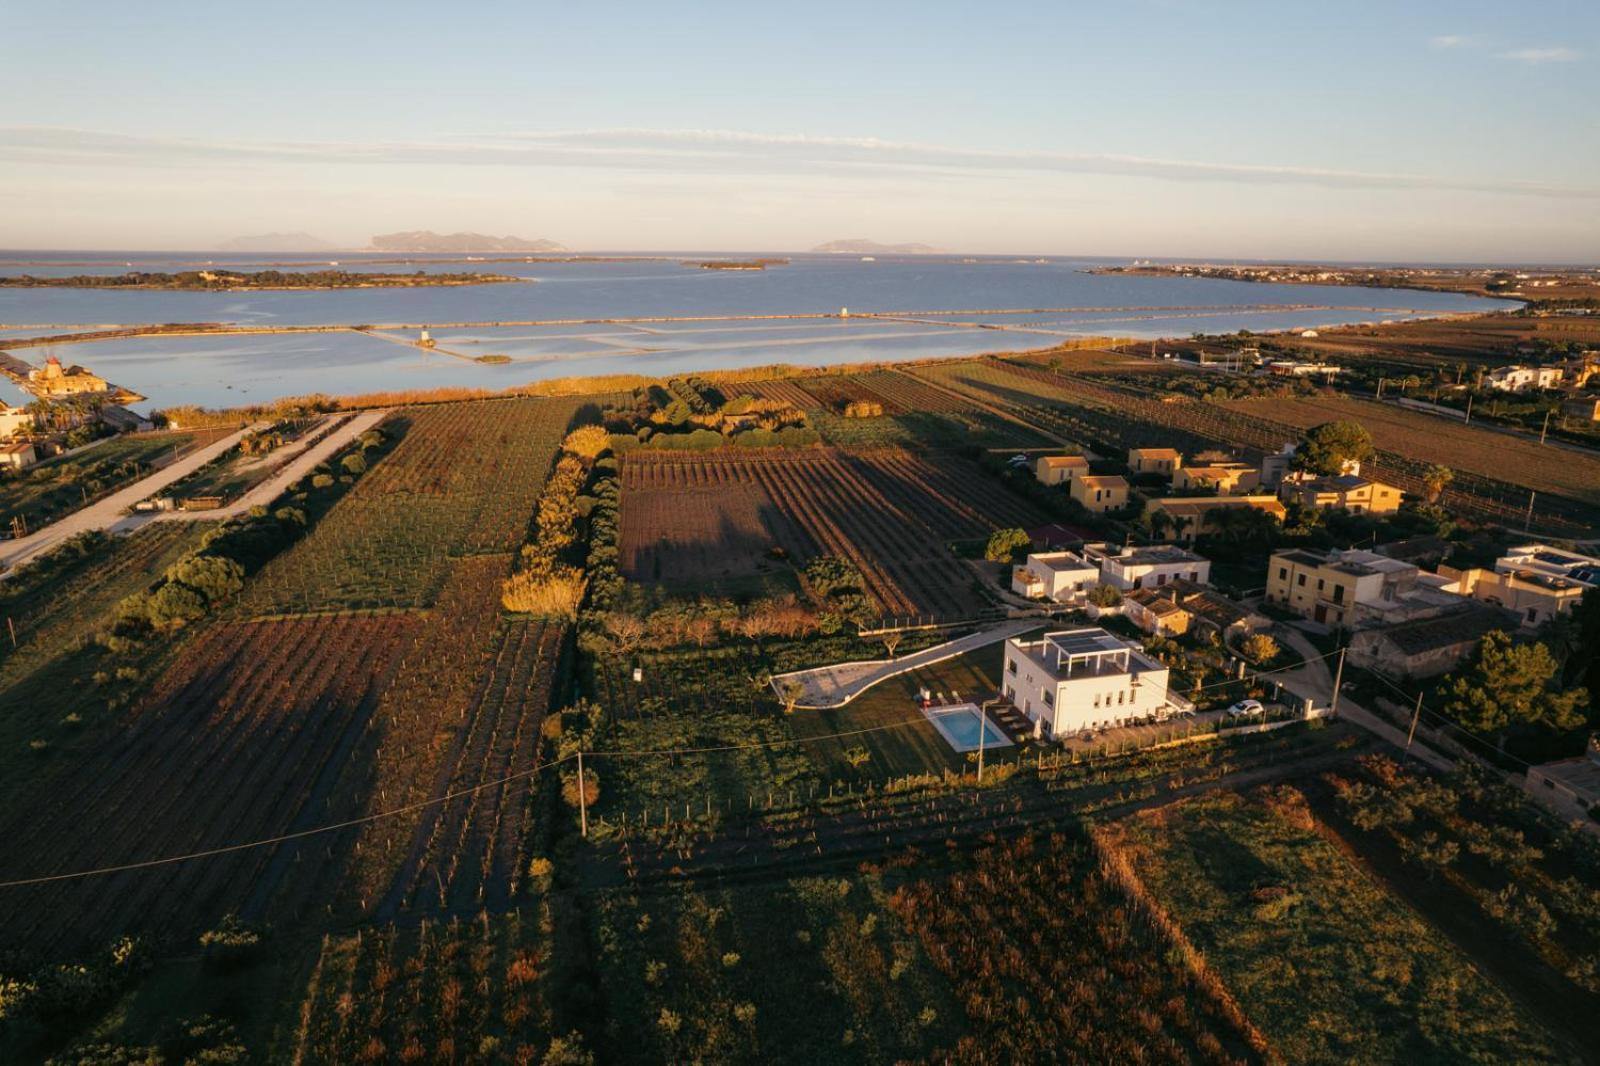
<point x="1331" y="966"/>
<point x="915" y="747"/>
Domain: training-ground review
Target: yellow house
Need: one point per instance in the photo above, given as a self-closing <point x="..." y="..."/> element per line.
<point x="1163" y="461"/>
<point x="1191" y="516"/>
<point x="1100" y="492"/>
<point x="1059" y="469"/>
<point x="1228" y="478"/>
<point x="1355" y="494"/>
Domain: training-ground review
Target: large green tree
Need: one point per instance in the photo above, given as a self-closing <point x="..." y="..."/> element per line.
<point x="1326" y="448"/>
<point x="1510" y="685"/>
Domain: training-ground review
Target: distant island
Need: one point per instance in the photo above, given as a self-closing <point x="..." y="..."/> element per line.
<point x="458" y="243"/>
<point x="259" y="281"/>
<point x="862" y="246"/>
<point x="734" y="264"/>
<point x="276" y="242"/>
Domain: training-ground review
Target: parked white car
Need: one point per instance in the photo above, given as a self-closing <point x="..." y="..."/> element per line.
<point x="1246" y="709"/>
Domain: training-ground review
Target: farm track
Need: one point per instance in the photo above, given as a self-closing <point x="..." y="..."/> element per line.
<point x="237" y="733"/>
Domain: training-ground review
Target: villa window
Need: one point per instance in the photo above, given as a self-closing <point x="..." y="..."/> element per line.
<point x="1119" y="698"/>
<point x="1283" y="573"/>
<point x="1302" y="581"/>
<point x="1097" y="699"/>
<point x="1049" y="700"/>
<point x="1011" y="666"/>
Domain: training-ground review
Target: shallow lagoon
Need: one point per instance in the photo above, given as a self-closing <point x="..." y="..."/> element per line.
<point x="1060" y="300"/>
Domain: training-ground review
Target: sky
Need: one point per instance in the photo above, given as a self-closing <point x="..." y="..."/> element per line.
<point x="1416" y="131"/>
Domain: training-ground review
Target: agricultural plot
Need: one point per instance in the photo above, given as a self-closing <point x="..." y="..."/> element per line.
<point x="251" y="726"/>
<point x="804" y="971"/>
<point x="1085" y="976"/>
<point x="783" y="390"/>
<point x="1328" y="964"/>
<point x="463" y="480"/>
<point x="877" y="511"/>
<point x="1431" y="439"/>
<point x="470" y="852"/>
<point x="473" y="990"/>
<point x="1486" y="865"/>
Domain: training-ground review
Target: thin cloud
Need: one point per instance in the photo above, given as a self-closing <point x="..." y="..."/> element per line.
<point x="1540" y="56"/>
<point x="1451" y="40"/>
<point x="713" y="151"/>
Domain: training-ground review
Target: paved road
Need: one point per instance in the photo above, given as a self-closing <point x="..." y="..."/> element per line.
<point x="834" y="686"/>
<point x="108" y="513"/>
<point x="290" y="471"/>
<point x="1314" y="681"/>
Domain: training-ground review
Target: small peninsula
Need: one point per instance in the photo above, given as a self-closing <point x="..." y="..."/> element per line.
<point x="258" y="281"/>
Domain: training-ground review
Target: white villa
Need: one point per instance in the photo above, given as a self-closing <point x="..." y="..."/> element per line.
<point x="1521" y="378"/>
<point x="1152" y="567"/>
<point x="1054" y="576"/>
<point x="1077" y="679"/>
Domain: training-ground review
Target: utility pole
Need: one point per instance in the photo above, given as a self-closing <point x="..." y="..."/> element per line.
<point x="1527" y="522"/>
<point x="983" y="729"/>
<point x="1546" y="428"/>
<point x="1338" y="678"/>
<point x="1381" y="382"/>
<point x="1469" y="409"/>
<point x="1412" y="732"/>
<point x="583" y="798"/>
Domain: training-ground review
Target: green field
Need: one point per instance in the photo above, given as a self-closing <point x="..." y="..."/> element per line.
<point x="1330" y="965"/>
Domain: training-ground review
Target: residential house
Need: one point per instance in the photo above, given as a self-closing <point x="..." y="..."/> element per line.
<point x="1570" y="786"/>
<point x="1190" y="516"/>
<point x="1294" y="368"/>
<point x="1129" y="568"/>
<point x="1276" y="466"/>
<point x="124" y="420"/>
<point x="1333" y="587"/>
<point x="1522" y="378"/>
<point x="1425" y="647"/>
<point x="1077" y="679"/>
<point x="1059" y="469"/>
<point x="1100" y="492"/>
<point x="1227" y="477"/>
<point x="1585" y="407"/>
<point x="18" y="455"/>
<point x="1535" y="581"/>
<point x="1184" y="607"/>
<point x="14" y="421"/>
<point x="1156" y="611"/>
<point x="1348" y="491"/>
<point x="1162" y="461"/>
<point x="1056" y="576"/>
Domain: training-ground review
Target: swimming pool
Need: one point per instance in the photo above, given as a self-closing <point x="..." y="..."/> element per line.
<point x="959" y="725"/>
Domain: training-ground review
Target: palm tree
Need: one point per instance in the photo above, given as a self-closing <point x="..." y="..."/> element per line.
<point x="1434" y="480"/>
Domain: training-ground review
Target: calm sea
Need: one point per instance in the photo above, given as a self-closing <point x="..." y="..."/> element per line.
<point x="1058" y="297"/>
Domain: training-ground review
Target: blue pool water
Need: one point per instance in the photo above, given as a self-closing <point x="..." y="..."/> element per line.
<point x="959" y="726"/>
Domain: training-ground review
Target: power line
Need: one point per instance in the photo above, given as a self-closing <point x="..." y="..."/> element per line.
<point x="283" y="838"/>
<point x="446" y="797"/>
